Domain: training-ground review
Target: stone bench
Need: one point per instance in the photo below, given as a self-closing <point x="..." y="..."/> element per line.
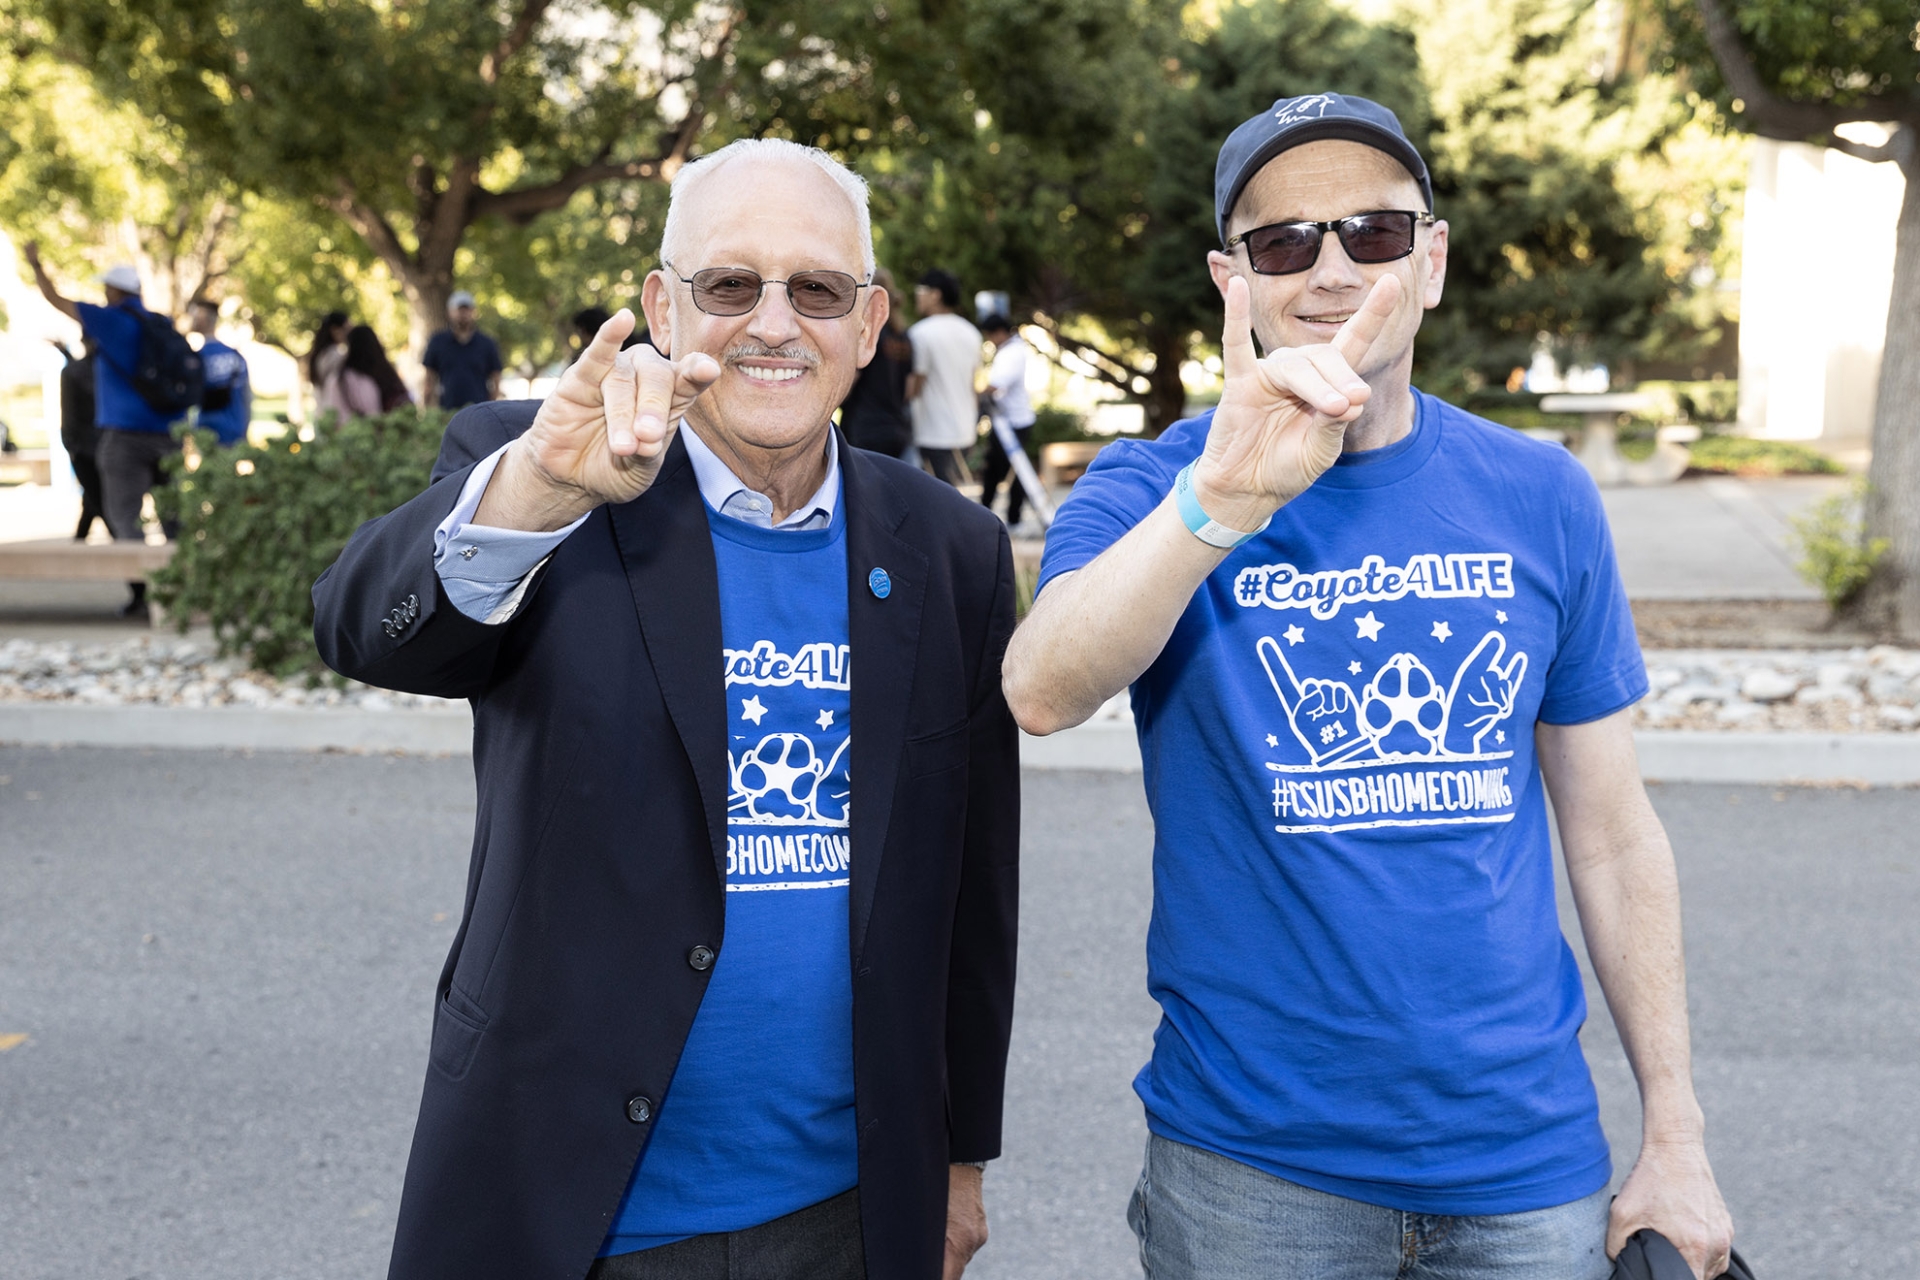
<point x="64" y="560"/>
<point x="26" y="466"/>
<point x="1599" y="450"/>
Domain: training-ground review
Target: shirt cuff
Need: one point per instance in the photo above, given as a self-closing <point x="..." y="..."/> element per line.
<point x="484" y="570"/>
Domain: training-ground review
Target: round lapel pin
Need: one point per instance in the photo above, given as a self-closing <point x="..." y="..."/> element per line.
<point x="880" y="584"/>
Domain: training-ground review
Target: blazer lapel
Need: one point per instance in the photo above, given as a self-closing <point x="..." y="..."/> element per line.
<point x="666" y="547"/>
<point x="885" y="639"/>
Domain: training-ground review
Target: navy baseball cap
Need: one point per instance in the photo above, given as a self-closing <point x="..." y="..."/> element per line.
<point x="1292" y="121"/>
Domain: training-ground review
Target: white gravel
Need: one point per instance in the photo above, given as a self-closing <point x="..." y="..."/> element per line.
<point x="1828" y="690"/>
<point x="167" y="671"/>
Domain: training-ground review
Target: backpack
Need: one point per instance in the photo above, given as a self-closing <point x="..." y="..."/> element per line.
<point x="167" y="373"/>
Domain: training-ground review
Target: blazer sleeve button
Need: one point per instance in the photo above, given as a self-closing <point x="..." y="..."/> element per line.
<point x="701" y="958"/>
<point x="639" y="1109"/>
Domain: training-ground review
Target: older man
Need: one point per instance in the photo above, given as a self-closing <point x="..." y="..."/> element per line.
<point x="462" y="361"/>
<point x="732" y="990"/>
<point x="1360" y="627"/>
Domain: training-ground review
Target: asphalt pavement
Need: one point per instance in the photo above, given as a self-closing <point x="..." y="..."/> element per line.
<point x="223" y="965"/>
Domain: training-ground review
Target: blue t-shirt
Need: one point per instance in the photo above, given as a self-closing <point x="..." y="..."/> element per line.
<point x="116" y="330"/>
<point x="1354" y="944"/>
<point x="758" y="1121"/>
<point x="229" y="392"/>
<point x="462" y="367"/>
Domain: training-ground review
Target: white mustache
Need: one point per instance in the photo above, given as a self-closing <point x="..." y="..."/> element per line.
<point x="749" y="350"/>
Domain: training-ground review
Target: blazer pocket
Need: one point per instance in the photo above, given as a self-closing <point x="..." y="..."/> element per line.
<point x="457" y="1027"/>
<point x="937" y="752"/>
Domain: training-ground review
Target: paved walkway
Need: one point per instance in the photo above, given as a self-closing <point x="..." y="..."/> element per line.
<point x="1711" y="538"/>
<point x="226" y="1007"/>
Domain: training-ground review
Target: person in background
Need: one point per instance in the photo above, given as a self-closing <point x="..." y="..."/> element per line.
<point x="874" y="414"/>
<point x="328" y="352"/>
<point x="367" y="385"/>
<point x="587" y="322"/>
<point x="134" y="439"/>
<point x="226" y="406"/>
<point x="1007" y="400"/>
<point x="77" y="431"/>
<point x="946" y="360"/>
<point x="462" y="363"/>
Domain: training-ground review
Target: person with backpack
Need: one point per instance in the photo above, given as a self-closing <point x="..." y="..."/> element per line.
<point x="146" y="378"/>
<point x="227" y="405"/>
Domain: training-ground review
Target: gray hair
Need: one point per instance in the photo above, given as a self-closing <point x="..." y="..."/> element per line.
<point x="693" y="175"/>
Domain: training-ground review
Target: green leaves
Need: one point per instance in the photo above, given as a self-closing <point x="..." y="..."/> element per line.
<point x="259" y="524"/>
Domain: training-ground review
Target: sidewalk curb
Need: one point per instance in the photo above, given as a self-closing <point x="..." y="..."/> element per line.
<point x="424" y="732"/>
<point x="1669" y="755"/>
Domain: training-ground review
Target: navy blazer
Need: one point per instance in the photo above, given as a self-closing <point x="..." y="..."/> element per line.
<point x="599" y="853"/>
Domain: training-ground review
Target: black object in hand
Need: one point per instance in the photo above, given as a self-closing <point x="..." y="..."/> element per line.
<point x="1648" y="1255"/>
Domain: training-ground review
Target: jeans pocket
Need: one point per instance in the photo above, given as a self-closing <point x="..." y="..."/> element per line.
<point x="1137" y="1211"/>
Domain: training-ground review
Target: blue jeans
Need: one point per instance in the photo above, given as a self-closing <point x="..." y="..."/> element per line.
<point x="1201" y="1216"/>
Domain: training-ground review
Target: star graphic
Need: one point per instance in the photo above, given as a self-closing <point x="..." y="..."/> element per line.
<point x="1499" y="735"/>
<point x="1499" y="615"/>
<point x="1369" y="626"/>
<point x="752" y="709"/>
<point x="825" y="719"/>
<point x="1272" y="741"/>
<point x="1441" y="631"/>
<point x="1295" y="635"/>
<point x="1353" y="668"/>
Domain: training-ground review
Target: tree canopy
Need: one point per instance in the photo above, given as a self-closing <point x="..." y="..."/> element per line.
<point x="1845" y="77"/>
<point x="1062" y="151"/>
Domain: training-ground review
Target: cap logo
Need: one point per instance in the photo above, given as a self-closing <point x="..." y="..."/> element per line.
<point x="1312" y="107"/>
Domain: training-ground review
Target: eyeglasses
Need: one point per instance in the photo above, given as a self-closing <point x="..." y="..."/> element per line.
<point x="1287" y="248"/>
<point x="734" y="291"/>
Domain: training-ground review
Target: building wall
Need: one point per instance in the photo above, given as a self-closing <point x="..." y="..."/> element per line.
<point x="1816" y="273"/>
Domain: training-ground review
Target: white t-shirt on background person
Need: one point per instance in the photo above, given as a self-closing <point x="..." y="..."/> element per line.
<point x="946" y="352"/>
<point x="1007" y="379"/>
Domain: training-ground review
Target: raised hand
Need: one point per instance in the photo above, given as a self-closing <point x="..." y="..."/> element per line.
<point x="600" y="437"/>
<point x="1282" y="419"/>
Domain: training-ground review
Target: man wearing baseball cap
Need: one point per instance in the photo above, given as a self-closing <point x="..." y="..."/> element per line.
<point x="135" y="437"/>
<point x="462" y="362"/>
<point x="1366" y="635"/>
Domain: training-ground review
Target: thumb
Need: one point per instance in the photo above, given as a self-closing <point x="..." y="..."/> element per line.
<point x="1237" y="355"/>
<point x="693" y="373"/>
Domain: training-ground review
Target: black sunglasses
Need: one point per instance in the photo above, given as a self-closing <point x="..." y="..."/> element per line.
<point x="1287" y="248"/>
<point x="734" y="291"/>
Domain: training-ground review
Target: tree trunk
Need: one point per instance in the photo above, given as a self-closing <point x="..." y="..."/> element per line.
<point x="1891" y="599"/>
<point x="1166" y="400"/>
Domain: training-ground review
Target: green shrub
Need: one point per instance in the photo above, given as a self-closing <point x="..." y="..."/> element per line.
<point x="258" y="525"/>
<point x="1053" y="425"/>
<point x="1740" y="455"/>
<point x="1835" y="553"/>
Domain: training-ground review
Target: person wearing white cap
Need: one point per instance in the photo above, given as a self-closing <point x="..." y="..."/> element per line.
<point x="145" y="380"/>
<point x="462" y="363"/>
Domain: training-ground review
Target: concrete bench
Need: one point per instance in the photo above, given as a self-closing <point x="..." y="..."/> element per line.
<point x="1599" y="449"/>
<point x="1066" y="461"/>
<point x="26" y="466"/>
<point x="64" y="560"/>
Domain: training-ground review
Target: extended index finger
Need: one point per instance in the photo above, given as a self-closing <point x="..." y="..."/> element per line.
<point x="1357" y="335"/>
<point x="583" y="377"/>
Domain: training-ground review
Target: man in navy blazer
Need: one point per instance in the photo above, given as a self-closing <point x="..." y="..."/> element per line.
<point x="732" y="988"/>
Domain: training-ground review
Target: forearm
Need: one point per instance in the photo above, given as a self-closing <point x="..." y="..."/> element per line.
<point x="52" y="295"/>
<point x="1093" y="632"/>
<point x="1621" y="869"/>
<point x="519" y="496"/>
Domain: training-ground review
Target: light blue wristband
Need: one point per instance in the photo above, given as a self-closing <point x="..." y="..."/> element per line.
<point x="1202" y="525"/>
